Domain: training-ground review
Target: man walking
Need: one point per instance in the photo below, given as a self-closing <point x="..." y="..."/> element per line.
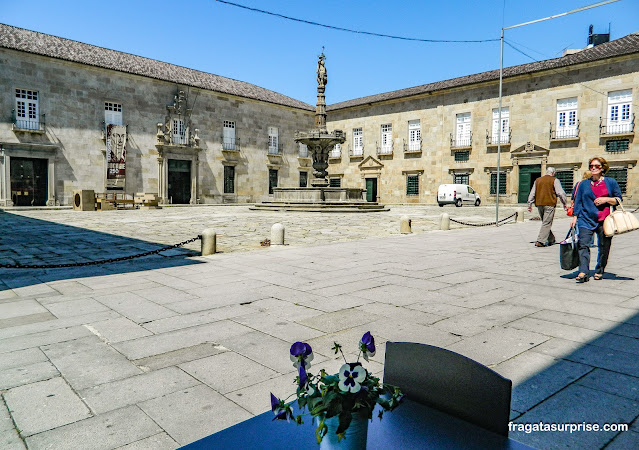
<point x="544" y="195"/>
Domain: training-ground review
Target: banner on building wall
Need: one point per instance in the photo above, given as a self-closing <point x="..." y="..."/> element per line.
<point x="116" y="155"/>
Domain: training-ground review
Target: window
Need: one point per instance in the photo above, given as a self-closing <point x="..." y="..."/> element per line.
<point x="112" y="113"/>
<point x="565" y="177"/>
<point x="303" y="150"/>
<point x="460" y="178"/>
<point x="179" y="132"/>
<point x="229" y="179"/>
<point x="228" y="135"/>
<point x="412" y="185"/>
<point x="414" y="136"/>
<point x="387" y="139"/>
<point x="273" y="141"/>
<point x="335" y="182"/>
<point x="621" y="175"/>
<point x="336" y="152"/>
<point x="462" y="156"/>
<point x="566" y="118"/>
<point x="505" y="126"/>
<point x="272" y="180"/>
<point x="619" y="112"/>
<point x="620" y="145"/>
<point x="493" y="183"/>
<point x="27" y="110"/>
<point x="358" y="142"/>
<point x="462" y="133"/>
<point x="303" y="179"/>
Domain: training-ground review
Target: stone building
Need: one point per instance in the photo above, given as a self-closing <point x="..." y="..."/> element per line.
<point x="401" y="145"/>
<point x="77" y="116"/>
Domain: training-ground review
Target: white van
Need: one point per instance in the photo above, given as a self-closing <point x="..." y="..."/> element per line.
<point x="457" y="194"/>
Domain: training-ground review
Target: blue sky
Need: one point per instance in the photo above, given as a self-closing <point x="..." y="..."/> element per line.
<point x="281" y="55"/>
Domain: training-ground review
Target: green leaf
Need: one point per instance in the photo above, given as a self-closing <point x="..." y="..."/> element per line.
<point x="321" y="431"/>
<point x="345" y="418"/>
<point x="298" y="420"/>
<point x="336" y="347"/>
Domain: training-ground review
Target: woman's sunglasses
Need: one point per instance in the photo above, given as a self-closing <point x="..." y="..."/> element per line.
<point x="595" y="166"/>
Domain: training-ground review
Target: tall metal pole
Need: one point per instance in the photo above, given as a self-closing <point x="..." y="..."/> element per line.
<point x="501" y="80"/>
<point x="501" y="76"/>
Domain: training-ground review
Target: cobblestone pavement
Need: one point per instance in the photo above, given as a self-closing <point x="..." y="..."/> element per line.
<point x="57" y="236"/>
<point x="145" y="353"/>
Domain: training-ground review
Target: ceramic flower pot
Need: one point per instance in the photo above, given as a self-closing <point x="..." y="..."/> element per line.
<point x="355" y="434"/>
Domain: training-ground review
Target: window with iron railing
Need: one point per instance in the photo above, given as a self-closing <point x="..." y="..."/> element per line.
<point x="620" y="118"/>
<point x="335" y="182"/>
<point x="617" y="145"/>
<point x="229" y="141"/>
<point x="462" y="156"/>
<point x="621" y="175"/>
<point x="179" y="132"/>
<point x="564" y="133"/>
<point x="303" y="150"/>
<point x="414" y="136"/>
<point x="358" y="142"/>
<point x="336" y="152"/>
<point x="461" y="178"/>
<point x="26" y="115"/>
<point x="567" y="125"/>
<point x="273" y="141"/>
<point x="229" y="179"/>
<point x="412" y="185"/>
<point x="386" y="146"/>
<point x="565" y="178"/>
<point x="493" y="183"/>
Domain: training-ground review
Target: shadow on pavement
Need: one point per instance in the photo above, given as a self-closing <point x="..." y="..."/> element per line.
<point x="28" y="241"/>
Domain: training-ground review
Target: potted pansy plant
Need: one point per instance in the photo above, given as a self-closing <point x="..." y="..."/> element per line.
<point x="341" y="404"/>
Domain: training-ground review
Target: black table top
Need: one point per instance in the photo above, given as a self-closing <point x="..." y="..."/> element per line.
<point x="411" y="426"/>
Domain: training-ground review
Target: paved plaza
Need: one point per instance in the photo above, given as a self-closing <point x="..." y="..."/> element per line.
<point x="157" y="352"/>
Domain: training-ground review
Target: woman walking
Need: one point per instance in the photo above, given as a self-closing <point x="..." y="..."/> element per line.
<point x="592" y="206"/>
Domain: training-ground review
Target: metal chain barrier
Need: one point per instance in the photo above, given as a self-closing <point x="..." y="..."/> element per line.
<point x="484" y="224"/>
<point x="635" y="210"/>
<point x="95" y="263"/>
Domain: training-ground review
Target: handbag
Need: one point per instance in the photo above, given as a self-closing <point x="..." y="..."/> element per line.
<point x="570" y="210"/>
<point x="568" y="252"/>
<point x="619" y="221"/>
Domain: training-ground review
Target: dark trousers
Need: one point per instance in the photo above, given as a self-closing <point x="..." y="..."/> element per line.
<point x="585" y="240"/>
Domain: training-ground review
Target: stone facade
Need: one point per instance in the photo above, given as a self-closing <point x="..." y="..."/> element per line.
<point x="70" y="139"/>
<point x="532" y="102"/>
<point x="175" y="120"/>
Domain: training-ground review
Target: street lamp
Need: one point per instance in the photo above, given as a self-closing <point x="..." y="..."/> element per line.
<point x="501" y="78"/>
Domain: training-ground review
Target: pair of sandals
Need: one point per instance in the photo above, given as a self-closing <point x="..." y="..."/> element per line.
<point x="582" y="278"/>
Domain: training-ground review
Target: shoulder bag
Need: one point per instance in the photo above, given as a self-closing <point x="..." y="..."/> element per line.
<point x="619" y="221"/>
<point x="571" y="208"/>
<point x="568" y="252"/>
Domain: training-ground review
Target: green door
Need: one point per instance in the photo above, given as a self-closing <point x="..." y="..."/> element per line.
<point x="179" y="181"/>
<point x="527" y="177"/>
<point x="371" y="189"/>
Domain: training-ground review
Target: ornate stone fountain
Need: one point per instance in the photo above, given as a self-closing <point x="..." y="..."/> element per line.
<point x="320" y="197"/>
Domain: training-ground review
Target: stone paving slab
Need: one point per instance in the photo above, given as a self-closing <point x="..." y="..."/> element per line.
<point x="106" y="431"/>
<point x="44" y="405"/>
<point x="193" y="413"/>
<point x="118" y="394"/>
<point x="27" y="374"/>
<point x="88" y="362"/>
<point x="161" y="441"/>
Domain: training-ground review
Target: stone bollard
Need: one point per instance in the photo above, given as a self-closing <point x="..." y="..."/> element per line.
<point x="209" y="242"/>
<point x="520" y="214"/>
<point x="405" y="225"/>
<point x="444" y="222"/>
<point x="277" y="234"/>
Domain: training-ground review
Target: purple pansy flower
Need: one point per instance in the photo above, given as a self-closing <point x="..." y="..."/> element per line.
<point x="303" y="376"/>
<point x="351" y="375"/>
<point x="281" y="412"/>
<point x="301" y="354"/>
<point x="367" y="345"/>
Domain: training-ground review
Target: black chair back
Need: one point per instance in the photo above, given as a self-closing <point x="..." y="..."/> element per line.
<point x="451" y="383"/>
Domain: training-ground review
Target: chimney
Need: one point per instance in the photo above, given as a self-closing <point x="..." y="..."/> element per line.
<point x="596" y="39"/>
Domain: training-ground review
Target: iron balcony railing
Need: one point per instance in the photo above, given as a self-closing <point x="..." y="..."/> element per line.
<point x="356" y="151"/>
<point x="384" y="149"/>
<point x="494" y="139"/>
<point x="35" y="122"/>
<point x="275" y="149"/>
<point x="231" y="144"/>
<point x="616" y="127"/>
<point x="412" y="146"/>
<point x="461" y="141"/>
<point x="563" y="133"/>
